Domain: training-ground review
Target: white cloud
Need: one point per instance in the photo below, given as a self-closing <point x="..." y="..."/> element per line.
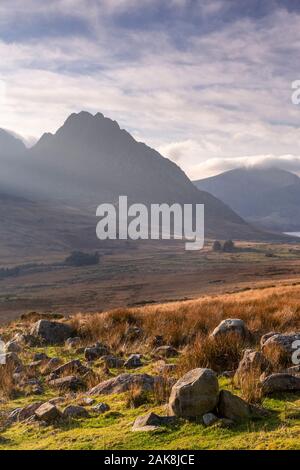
<point x="224" y="95"/>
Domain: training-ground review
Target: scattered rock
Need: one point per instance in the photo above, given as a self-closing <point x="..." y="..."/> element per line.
<point x="195" y="394"/>
<point x="280" y="383"/>
<point x="252" y="362"/>
<point x="70" y="368"/>
<point x="51" y="365"/>
<point x="148" y="422"/>
<point x="279" y="347"/>
<point x="95" y="352"/>
<point x="40" y="357"/>
<point x="133" y="361"/>
<point x="231" y="325"/>
<point x="86" y="401"/>
<point x="233" y="407"/>
<point x="22" y="414"/>
<point x="112" y="362"/>
<point x="48" y="413"/>
<point x="71" y="383"/>
<point x="123" y="382"/>
<point x="209" y="419"/>
<point x="75" y="411"/>
<point x="101" y="408"/>
<point x="165" y="352"/>
<point x="51" y="332"/>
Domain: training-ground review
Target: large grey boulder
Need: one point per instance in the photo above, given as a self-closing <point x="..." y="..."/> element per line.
<point x="123" y="382"/>
<point x="279" y="348"/>
<point x="195" y="394"/>
<point x="231" y="325"/>
<point x="233" y="407"/>
<point x="52" y="332"/>
<point x="276" y="383"/>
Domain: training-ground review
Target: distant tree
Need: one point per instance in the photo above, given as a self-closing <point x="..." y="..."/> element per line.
<point x="228" y="246"/>
<point x="217" y="246"/>
<point x="78" y="258"/>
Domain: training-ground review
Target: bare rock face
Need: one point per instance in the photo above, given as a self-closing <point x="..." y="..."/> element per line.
<point x="252" y="362"/>
<point x="123" y="382"/>
<point x="22" y="414"/>
<point x="233" y="407"/>
<point x="275" y="383"/>
<point x="195" y="394"/>
<point x="48" y="413"/>
<point x="279" y="348"/>
<point x="231" y="325"/>
<point x="51" y="332"/>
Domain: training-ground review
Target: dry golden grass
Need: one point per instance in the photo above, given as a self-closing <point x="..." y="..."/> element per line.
<point x="180" y="323"/>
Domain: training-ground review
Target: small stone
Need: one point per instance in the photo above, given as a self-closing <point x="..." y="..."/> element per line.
<point x="75" y="411"/>
<point x="133" y="361"/>
<point x="101" y="408"/>
<point x="209" y="419"/>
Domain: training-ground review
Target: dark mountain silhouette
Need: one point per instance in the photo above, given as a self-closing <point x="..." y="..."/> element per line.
<point x="268" y="197"/>
<point x="88" y="161"/>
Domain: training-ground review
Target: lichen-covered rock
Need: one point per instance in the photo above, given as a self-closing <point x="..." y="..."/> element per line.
<point x="195" y="394"/>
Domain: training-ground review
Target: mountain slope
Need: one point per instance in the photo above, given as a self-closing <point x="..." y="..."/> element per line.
<point x="268" y="197"/>
<point x="88" y="161"/>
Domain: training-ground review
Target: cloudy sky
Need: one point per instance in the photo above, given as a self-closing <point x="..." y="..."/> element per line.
<point x="208" y="83"/>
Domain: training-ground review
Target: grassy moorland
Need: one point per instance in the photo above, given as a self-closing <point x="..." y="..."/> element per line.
<point x="185" y="326"/>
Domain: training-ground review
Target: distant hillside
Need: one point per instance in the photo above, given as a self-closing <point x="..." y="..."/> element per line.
<point x="268" y="197"/>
